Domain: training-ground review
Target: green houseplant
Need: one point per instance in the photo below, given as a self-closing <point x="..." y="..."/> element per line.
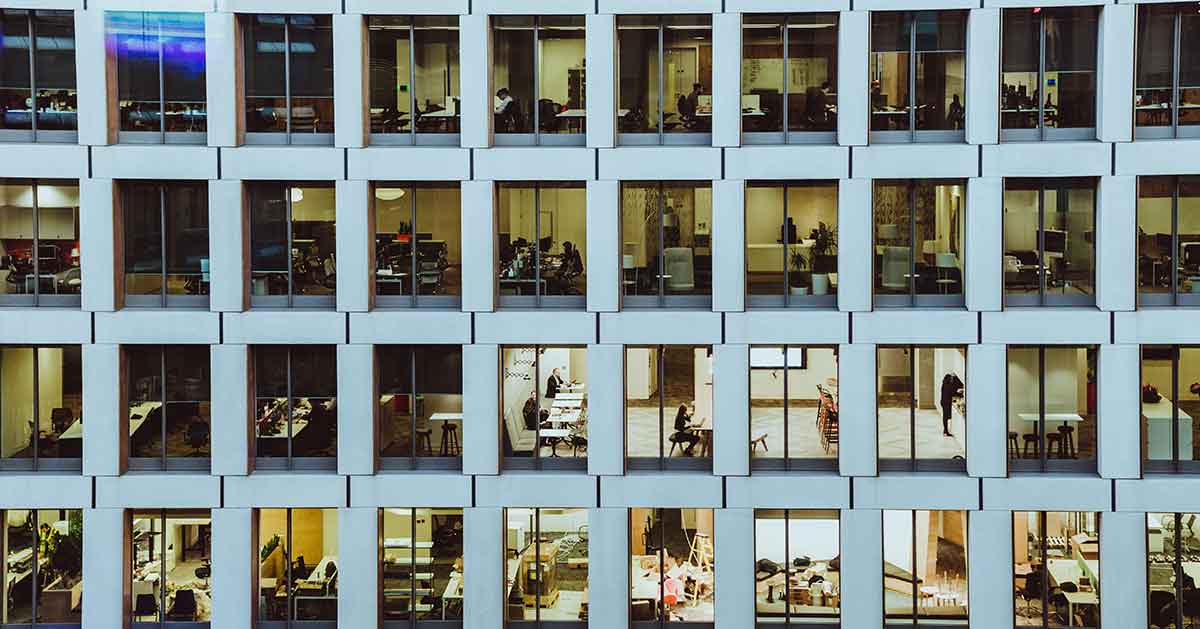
<point x="824" y="257"/>
<point x="797" y="278"/>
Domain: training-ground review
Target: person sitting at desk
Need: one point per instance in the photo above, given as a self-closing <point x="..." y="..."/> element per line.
<point x="683" y="430"/>
<point x="530" y="411"/>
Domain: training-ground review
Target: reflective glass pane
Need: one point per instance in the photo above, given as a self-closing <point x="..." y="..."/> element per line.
<point x="144" y="365"/>
<point x="311" y="59"/>
<point x="1020" y="59"/>
<point x="16" y="97"/>
<point x="687" y="73"/>
<point x="274" y="564"/>
<point x="265" y="73"/>
<point x="1155" y="216"/>
<point x="141" y="207"/>
<point x="314" y="240"/>
<point x="437" y="74"/>
<point x="811" y="72"/>
<point x="513" y="61"/>
<point x="763" y="73"/>
<point x="890" y="67"/>
<point x="314" y="401"/>
<point x="1068" y="225"/>
<point x="17" y="403"/>
<point x="183" y="81"/>
<point x="390" y="92"/>
<point x="562" y="238"/>
<point x="1188" y="229"/>
<point x="941" y="69"/>
<point x="60" y="546"/>
<point x="561" y="75"/>
<point x="1155" y="64"/>
<point x="518" y="240"/>
<point x="54" y="69"/>
<point x="17" y="238"/>
<point x="893" y="237"/>
<point x="941" y="238"/>
<point x="1070" y="35"/>
<point x="439" y="240"/>
<point x="189" y="406"/>
<point x="187" y="259"/>
<point x="21" y="538"/>
<point x="397" y="404"/>
<point x="134" y="38"/>
<point x="60" y="402"/>
<point x="1189" y="68"/>
<point x="269" y="256"/>
<point x="639" y="101"/>
<point x="271" y="402"/>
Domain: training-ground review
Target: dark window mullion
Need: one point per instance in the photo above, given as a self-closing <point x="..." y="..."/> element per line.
<point x="537" y="241"/>
<point x="787" y="461"/>
<point x="660" y="372"/>
<point x="287" y="82"/>
<point x="1178" y="568"/>
<point x="412" y="244"/>
<point x="1176" y="260"/>
<point x="37" y="420"/>
<point x="291" y="280"/>
<point x="162" y="236"/>
<point x="33" y="104"/>
<point x="290" y="461"/>
<point x="537" y="422"/>
<point x="785" y="237"/>
<point x="37" y="266"/>
<point x="1175" y="57"/>
<point x="1175" y="356"/>
<point x="162" y="94"/>
<point x="412" y="408"/>
<point x="912" y="414"/>
<point x="162" y="412"/>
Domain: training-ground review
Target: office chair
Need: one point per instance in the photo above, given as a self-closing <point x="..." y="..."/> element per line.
<point x="61" y="418"/>
<point x="895" y="268"/>
<point x="548" y="115"/>
<point x="145" y="605"/>
<point x="184" y="607"/>
<point x="204" y="571"/>
<point x="197" y="435"/>
<point x="304" y="119"/>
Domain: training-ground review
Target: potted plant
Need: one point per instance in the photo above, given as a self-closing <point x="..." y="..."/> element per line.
<point x="62" y="588"/>
<point x="824" y="258"/>
<point x="797" y="278"/>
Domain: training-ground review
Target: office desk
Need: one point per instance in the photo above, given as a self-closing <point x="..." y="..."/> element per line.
<point x="453" y="592"/>
<point x="556" y="436"/>
<point x="1079" y="598"/>
<point x="564" y="403"/>
<point x="1065" y="418"/>
<point x="1158" y="430"/>
<point x="137" y="417"/>
<point x="563" y="395"/>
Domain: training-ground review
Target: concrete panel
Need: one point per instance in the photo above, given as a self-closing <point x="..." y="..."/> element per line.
<point x="734" y="582"/>
<point x="886" y="5"/>
<point x="608" y="572"/>
<point x="409" y="7"/>
<point x="358" y="567"/>
<point x="259" y="327"/>
<point x="479" y="260"/>
<point x="483" y="549"/>
<point x="1123" y="561"/>
<point x="234" y="546"/>
<point x="283" y="163"/>
<point x="787" y="162"/>
<point x="228" y="246"/>
<point x="46" y="491"/>
<point x="857" y="412"/>
<point x="669" y="327"/>
<point x="1047" y="159"/>
<point x="270" y="6"/>
<point x="533" y="7"/>
<point x="606" y="409"/>
<point x="1033" y="492"/>
<point x="230" y="382"/>
<point x="727" y="79"/>
<point x="657" y="6"/>
<point x="481" y="409"/>
<point x="1156" y="326"/>
<point x="990" y="562"/>
<point x="903" y="161"/>
<point x="357" y="430"/>
<point x="409" y="163"/>
<point x="1119" y="429"/>
<point x="535" y="327"/>
<point x="98" y="240"/>
<point x="601" y="80"/>
<point x="540" y="164"/>
<point x="603" y="246"/>
<point x="105" y="563"/>
<point x="1162" y="157"/>
<point x="787" y="491"/>
<point x="853" y="80"/>
<point x="95" y="79"/>
<point x="916" y="491"/>
<point x="1048" y="326"/>
<point x="222" y="71"/>
<point x="536" y="489"/>
<point x="783" y="6"/>
<point x="689" y="163"/>
<point x="1115" y="70"/>
<point x="983" y="66"/>
<point x="350" y="82"/>
<point x="158" y="491"/>
<point x="165" y="326"/>
<point x="278" y="490"/>
<point x="987" y="434"/>
<point x="795" y="327"/>
<point x="660" y="490"/>
<point x="861" y="569"/>
<point x="475" y="39"/>
<point x="1116" y="243"/>
<point x="934" y="327"/>
<point x="731" y="412"/>
<point x="1165" y="493"/>
<point x="432" y="490"/>
<point x="355" y="243"/>
<point x="410" y="326"/>
<point x="854" y="236"/>
<point x="984" y="284"/>
<point x="44" y="160"/>
<point x="729" y="246"/>
<point x="103" y="433"/>
<point x="154" y="162"/>
<point x="50" y="326"/>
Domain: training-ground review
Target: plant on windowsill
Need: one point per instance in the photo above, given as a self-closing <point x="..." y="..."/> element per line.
<point x="824" y="257"/>
<point x="62" y="588"/>
<point x="798" y="278"/>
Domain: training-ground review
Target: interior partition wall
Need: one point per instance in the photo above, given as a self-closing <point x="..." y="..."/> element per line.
<point x="287" y="75"/>
<point x="538" y="63"/>
<point x="41" y="578"/>
<point x="422" y="568"/>
<point x="296" y="568"/>
<point x="1166" y="99"/>
<point x="664" y="79"/>
<point x="789" y="78"/>
<point x="414" y="79"/>
<point x="39" y="235"/>
<point x="170" y="568"/>
<point x="37" y="89"/>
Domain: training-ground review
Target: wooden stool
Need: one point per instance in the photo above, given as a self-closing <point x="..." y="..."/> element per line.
<point x="1068" y="441"/>
<point x="424" y="442"/>
<point x="754" y="443"/>
<point x="1031" y="439"/>
<point x="1014" y="449"/>
<point x="450" y="446"/>
<point x="1054" y="441"/>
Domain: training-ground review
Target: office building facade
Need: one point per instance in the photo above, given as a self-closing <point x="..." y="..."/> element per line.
<point x="533" y="313"/>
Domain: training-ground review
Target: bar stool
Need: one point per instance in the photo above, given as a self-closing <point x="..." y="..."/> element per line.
<point x="424" y="442"/>
<point x="1054" y="441"/>
<point x="450" y="446"/>
<point x="1014" y="449"/>
<point x="1031" y="439"/>
<point x="1068" y="441"/>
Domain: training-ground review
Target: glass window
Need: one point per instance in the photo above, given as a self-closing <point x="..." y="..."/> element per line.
<point x="1049" y="242"/>
<point x="39" y="77"/>
<point x="802" y="214"/>
<point x="420" y="398"/>
<point x="667" y="253"/>
<point x="538" y="79"/>
<point x="547" y="575"/>
<point x="543" y="395"/>
<point x="421" y="564"/>
<point x="288" y="79"/>
<point x="668" y="407"/>
<point x="1054" y="48"/>
<point x="922" y="411"/>
<point x="789" y="386"/>
<point x="169" y="406"/>
<point x="292" y="244"/>
<point x="664" y="84"/>
<point x="542" y="244"/>
<point x="918" y="75"/>
<point x="1171" y="545"/>
<point x="295" y="400"/>
<point x="166" y="243"/>
<point x="789" y="77"/>
<point x="1056" y="563"/>
<point x="797" y="578"/>
<point x="1168" y="211"/>
<point x="1170" y="402"/>
<point x="671" y="564"/>
<point x="1052" y="408"/>
<point x="39" y="242"/>
<point x="429" y="273"/>
<point x="925" y="560"/>
<point x="43" y="584"/>
<point x="160" y="75"/>
<point x="414" y="67"/>
<point x="171" y="571"/>
<point x="1167" y="96"/>
<point x="47" y="435"/>
<point x="919" y="242"/>
<point x="297" y="568"/>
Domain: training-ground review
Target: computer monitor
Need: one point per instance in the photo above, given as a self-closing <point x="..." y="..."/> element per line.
<point x="1191" y="255"/>
<point x="1056" y="241"/>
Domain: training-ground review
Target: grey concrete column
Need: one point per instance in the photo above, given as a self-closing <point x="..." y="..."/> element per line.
<point x="862" y="568"/>
<point x="234" y="554"/>
<point x="98" y="245"/>
<point x="733" y="546"/>
<point x="479" y="246"/>
<point x="350" y="82"/>
<point x="484" y="568"/>
<point x="358" y="567"/>
<point x="104" y="432"/>
<point x="355" y="235"/>
<point x="1119" y="424"/>
<point x="854" y="49"/>
<point x="854" y="237"/>
<point x="608" y="568"/>
<point x="105" y="564"/>
<point x="357" y="409"/>
<point x="729" y="245"/>
<point x="601" y="81"/>
<point x="228" y="246"/>
<point x="606" y="410"/>
<point x="987" y="426"/>
<point x="223" y="71"/>
<point x="1123" y="569"/>
<point x="727" y="79"/>
<point x="982" y="99"/>
<point x="857" y="456"/>
<point x="984" y="264"/>
<point x="604" y="246"/>
<point x="475" y="38"/>
<point x="231" y="406"/>
<point x="95" y="84"/>
<point x="731" y="410"/>
<point x="1114" y="73"/>
<point x="989" y="569"/>
<point x="481" y="409"/>
<point x="1116" y="243"/>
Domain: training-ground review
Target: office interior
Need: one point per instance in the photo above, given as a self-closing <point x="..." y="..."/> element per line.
<point x="666" y="230"/>
<point x="50" y="408"/>
<point x="171" y="567"/>
<point x="40" y="80"/>
<point x="921" y="403"/>
<point x="1170" y="393"/>
<point x="160" y="71"/>
<point x="546" y="564"/>
<point x="422" y="564"/>
<point x="1056" y="568"/>
<point x="918" y="70"/>
<point x="925" y="567"/>
<point x="413" y="74"/>
<point x="39" y="240"/>
<point x="666" y="386"/>
<point x="920" y="241"/>
<point x="1049" y="239"/>
<point x="165" y="240"/>
<point x="420" y="400"/>
<point x="1062" y="425"/>
<point x="169" y="395"/>
<point x="791" y="239"/>
<point x="418" y="243"/>
<point x="1173" y="561"/>
<point x="793" y="404"/>
<point x="797" y="567"/>
<point x="295" y="398"/>
<point x="297" y="566"/>
<point x="542" y="240"/>
<point x="806" y="63"/>
<point x="540" y="61"/>
<point x="1064" y="61"/>
<point x="657" y="86"/>
<point x="43" y="570"/>
<point x="293" y="240"/>
<point x="288" y="77"/>
<point x="1161" y="99"/>
<point x="671" y="565"/>
<point x="1168" y="216"/>
<point x="543" y="393"/>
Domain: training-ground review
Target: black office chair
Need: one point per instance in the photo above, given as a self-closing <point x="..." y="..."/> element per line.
<point x="548" y="121"/>
<point x="643" y="610"/>
<point x="145" y="605"/>
<point x="184" y="607"/>
<point x="197" y="435"/>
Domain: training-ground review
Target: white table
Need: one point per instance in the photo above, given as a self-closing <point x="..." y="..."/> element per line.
<point x="563" y="395"/>
<point x="1065" y="418"/>
<point x="1078" y="598"/>
<point x="137" y="416"/>
<point x="563" y="403"/>
<point x="1158" y="430"/>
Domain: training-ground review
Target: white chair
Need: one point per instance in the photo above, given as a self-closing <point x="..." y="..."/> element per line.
<point x="895" y="267"/>
<point x="681" y="271"/>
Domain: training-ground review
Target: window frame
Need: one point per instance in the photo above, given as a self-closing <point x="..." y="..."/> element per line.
<point x="664" y="461"/>
<point x="413" y="137"/>
<point x="913" y="462"/>
<point x="1044" y="298"/>
<point x="413" y="622"/>
<point x="537" y="622"/>
<point x="1176" y="564"/>
<point x="259" y="611"/>
<point x="163" y="461"/>
<point x="540" y="298"/>
<point x="535" y="137"/>
<point x="661" y="297"/>
<point x="37" y="298"/>
<point x="37" y="462"/>
<point x="1174" y="129"/>
<point x="1044" y="464"/>
<point x="1043" y="557"/>
<point x="36" y="566"/>
<point x="34" y="134"/>
<point x="291" y="299"/>
<point x="659" y="137"/>
<point x="787" y="463"/>
<point x="287" y="136"/>
<point x="414" y="462"/>
<point x="661" y="552"/>
<point x="1043" y="133"/>
<point x="414" y="298"/>
<point x="161" y="517"/>
<point x="164" y="299"/>
<point x="913" y="298"/>
<point x="162" y="136"/>
<point x="289" y="462"/>
<point x="1174" y="295"/>
<point x="537" y="462"/>
<point x="924" y="621"/>
<point x="828" y="300"/>
<point x="1176" y="464"/>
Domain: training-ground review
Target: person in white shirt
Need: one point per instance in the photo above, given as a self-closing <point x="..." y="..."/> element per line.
<point x="502" y="101"/>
